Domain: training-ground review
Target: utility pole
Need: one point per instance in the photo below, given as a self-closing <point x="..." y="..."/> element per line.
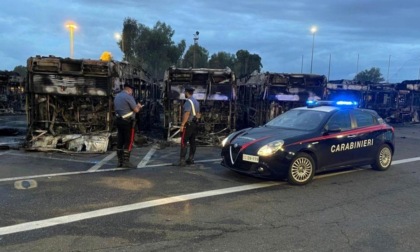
<point x="301" y="65"/>
<point x="195" y="46"/>
<point x="329" y="68"/>
<point x="389" y="63"/>
<point x="313" y="31"/>
<point x="357" y="65"/>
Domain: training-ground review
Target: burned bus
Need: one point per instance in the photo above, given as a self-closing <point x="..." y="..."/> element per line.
<point x="346" y="90"/>
<point x="263" y="96"/>
<point x="70" y="103"/>
<point x="215" y="90"/>
<point x="12" y="94"/>
<point x="381" y="97"/>
<point x="408" y="101"/>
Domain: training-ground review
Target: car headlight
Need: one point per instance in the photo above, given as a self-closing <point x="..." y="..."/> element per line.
<point x="270" y="148"/>
<point x="225" y="141"/>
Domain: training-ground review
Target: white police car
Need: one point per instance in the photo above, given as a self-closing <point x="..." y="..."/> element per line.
<point x="322" y="136"/>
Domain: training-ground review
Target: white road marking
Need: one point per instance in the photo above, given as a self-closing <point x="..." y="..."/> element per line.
<point x="396" y="162"/>
<point x="88" y="171"/>
<point x="147" y="157"/>
<point x="125" y="208"/>
<point x="22" y="227"/>
<point x="2" y="153"/>
<point x="407" y="160"/>
<point x="102" y="162"/>
<point x="26" y="184"/>
<point x="170" y="164"/>
<point x="52" y="158"/>
<point x="8" y="143"/>
<point x="60" y="174"/>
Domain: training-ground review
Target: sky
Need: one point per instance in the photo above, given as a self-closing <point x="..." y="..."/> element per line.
<point x="352" y="35"/>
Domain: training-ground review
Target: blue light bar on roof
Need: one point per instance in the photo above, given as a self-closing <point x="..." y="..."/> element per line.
<point x="346" y="103"/>
<point x="310" y="102"/>
<point x="340" y="103"/>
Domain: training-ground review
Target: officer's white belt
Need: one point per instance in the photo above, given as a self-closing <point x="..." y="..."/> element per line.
<point x="127" y="115"/>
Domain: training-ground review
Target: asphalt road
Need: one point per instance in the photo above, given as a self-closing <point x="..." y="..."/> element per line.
<point x="62" y="202"/>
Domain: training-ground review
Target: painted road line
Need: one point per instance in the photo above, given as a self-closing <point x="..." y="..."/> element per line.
<point x="22" y="227"/>
<point x="85" y="172"/>
<point x="102" y="162"/>
<point x="147" y="157"/>
<point x="125" y="208"/>
<point x="6" y="152"/>
<point x="170" y="164"/>
<point x="407" y="160"/>
<point x="61" y="174"/>
<point x="162" y="165"/>
<point x="9" y="143"/>
<point x="52" y="158"/>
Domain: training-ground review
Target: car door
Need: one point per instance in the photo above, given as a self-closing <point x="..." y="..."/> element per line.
<point x="365" y="130"/>
<point x="335" y="147"/>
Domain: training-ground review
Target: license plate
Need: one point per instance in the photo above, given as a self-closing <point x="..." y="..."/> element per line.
<point x="250" y="158"/>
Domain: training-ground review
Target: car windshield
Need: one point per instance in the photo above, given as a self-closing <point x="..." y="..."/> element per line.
<point x="299" y="119"/>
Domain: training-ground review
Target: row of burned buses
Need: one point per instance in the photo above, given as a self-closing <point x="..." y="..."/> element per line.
<point x="229" y="104"/>
<point x="70" y="101"/>
<point x="397" y="103"/>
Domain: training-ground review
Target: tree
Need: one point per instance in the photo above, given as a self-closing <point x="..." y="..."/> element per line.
<point x="21" y="70"/>
<point x="152" y="49"/>
<point x="222" y="60"/>
<point x="129" y="35"/>
<point x="246" y="63"/>
<point x="372" y="75"/>
<point x="201" y="56"/>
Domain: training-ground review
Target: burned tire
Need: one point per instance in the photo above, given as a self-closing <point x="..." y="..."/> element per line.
<point x="383" y="158"/>
<point x="301" y="170"/>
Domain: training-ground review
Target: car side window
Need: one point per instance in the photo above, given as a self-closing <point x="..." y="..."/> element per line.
<point x="364" y="119"/>
<point x="340" y="120"/>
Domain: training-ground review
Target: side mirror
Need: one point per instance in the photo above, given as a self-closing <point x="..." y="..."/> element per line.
<point x="332" y="129"/>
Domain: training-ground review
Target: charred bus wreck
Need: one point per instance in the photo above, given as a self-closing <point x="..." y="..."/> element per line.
<point x="346" y="90"/>
<point x="408" y="101"/>
<point x="263" y="96"/>
<point x="215" y="89"/>
<point x="69" y="103"/>
<point x="12" y="95"/>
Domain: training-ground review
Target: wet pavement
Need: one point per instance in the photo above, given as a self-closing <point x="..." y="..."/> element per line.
<point x="160" y="207"/>
<point x="12" y="131"/>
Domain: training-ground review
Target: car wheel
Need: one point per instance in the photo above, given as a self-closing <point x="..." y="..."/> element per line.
<point x="302" y="169"/>
<point x="383" y="158"/>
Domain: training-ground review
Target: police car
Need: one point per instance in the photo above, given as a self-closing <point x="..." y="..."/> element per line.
<point x="322" y="136"/>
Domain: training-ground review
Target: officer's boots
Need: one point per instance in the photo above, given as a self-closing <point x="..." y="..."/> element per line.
<point x="182" y="155"/>
<point x="126" y="160"/>
<point x="120" y="155"/>
<point x="190" y="160"/>
<point x="181" y="162"/>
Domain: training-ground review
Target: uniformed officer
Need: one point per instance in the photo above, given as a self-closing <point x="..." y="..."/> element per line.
<point x="125" y="108"/>
<point x="189" y="125"/>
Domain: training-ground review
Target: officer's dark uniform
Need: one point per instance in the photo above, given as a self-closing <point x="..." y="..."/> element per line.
<point x="189" y="132"/>
<point x="124" y="105"/>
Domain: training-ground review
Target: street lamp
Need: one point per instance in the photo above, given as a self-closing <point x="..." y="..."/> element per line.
<point x="313" y="31"/>
<point x="71" y="26"/>
<point x="195" y="46"/>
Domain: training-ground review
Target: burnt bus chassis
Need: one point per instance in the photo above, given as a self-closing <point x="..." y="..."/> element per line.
<point x="263" y="96"/>
<point x="215" y="90"/>
<point x="69" y="103"/>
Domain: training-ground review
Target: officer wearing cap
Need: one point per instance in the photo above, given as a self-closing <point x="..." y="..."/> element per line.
<point x="125" y="108"/>
<point x="189" y="124"/>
